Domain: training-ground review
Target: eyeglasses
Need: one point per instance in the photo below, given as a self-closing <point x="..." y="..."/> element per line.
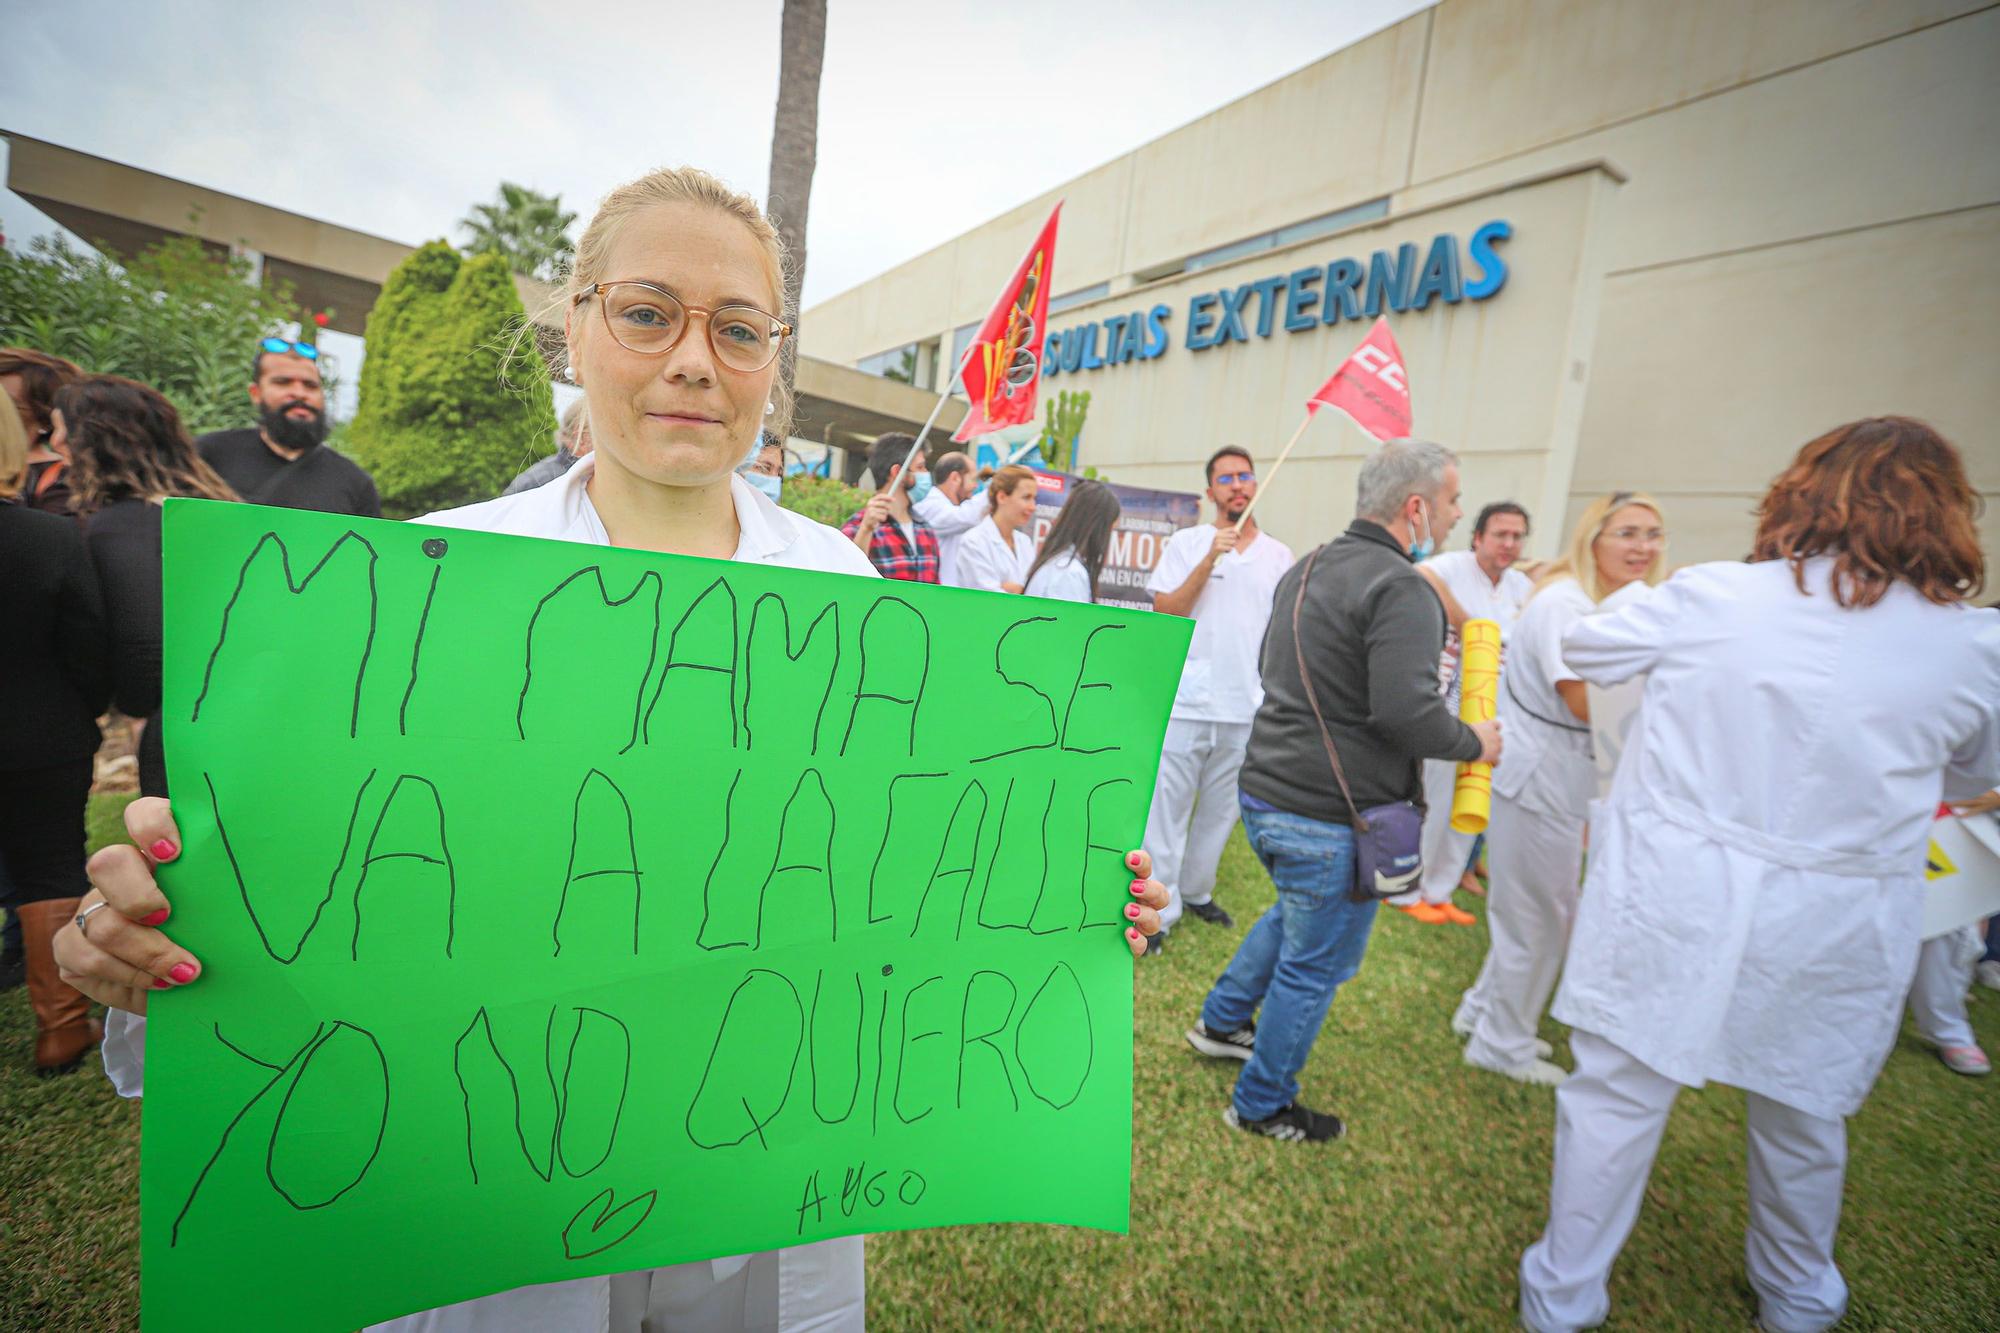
<point x="1652" y="536"/>
<point x="1233" y="478"/>
<point x="306" y="350"/>
<point x="651" y="321"/>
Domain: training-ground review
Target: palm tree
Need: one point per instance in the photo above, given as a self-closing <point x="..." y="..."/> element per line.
<point x="529" y="228"/>
<point x="795" y="148"/>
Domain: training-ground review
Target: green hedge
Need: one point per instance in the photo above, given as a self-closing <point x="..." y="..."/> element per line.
<point x="453" y="404"/>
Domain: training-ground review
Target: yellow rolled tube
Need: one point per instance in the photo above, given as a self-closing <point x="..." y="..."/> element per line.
<point x="1478" y="698"/>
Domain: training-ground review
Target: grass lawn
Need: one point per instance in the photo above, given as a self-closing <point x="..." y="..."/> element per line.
<point x="1414" y="1221"/>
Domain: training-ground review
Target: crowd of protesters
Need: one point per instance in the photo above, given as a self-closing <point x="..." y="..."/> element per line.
<point x="1764" y="829"/>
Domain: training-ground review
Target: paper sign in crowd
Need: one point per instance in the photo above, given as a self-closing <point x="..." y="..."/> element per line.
<point x="567" y="910"/>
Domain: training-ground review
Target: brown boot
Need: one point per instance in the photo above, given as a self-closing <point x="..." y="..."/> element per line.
<point x="65" y="1029"/>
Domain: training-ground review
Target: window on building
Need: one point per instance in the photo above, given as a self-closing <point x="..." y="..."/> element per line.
<point x="1081" y="296"/>
<point x="961" y="338"/>
<point x="1290" y="234"/>
<point x="914" y="364"/>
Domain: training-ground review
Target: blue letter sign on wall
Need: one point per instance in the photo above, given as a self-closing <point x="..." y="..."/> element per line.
<point x="1411" y="277"/>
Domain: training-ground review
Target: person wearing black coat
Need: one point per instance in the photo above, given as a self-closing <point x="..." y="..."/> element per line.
<point x="54" y="681"/>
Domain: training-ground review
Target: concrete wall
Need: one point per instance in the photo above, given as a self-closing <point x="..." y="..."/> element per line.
<point x="1803" y="237"/>
<point x="1495" y="378"/>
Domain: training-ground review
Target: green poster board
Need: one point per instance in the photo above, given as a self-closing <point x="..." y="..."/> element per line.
<point x="566" y="910"/>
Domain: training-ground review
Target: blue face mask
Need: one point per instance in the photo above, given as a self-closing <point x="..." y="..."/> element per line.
<point x="771" y="486"/>
<point x="1422" y="550"/>
<point x="920" y="487"/>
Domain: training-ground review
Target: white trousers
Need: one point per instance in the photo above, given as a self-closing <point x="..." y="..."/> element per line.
<point x="1534" y="863"/>
<point x="1445" y="851"/>
<point x="1610" y="1114"/>
<point x="1194" y="808"/>
<point x="1944" y="974"/>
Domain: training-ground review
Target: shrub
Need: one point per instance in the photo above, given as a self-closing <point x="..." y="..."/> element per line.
<point x="452" y="403"/>
<point x="179" y="316"/>
<point x="824" y="499"/>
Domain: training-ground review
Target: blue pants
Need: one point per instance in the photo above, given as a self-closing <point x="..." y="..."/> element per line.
<point x="1295" y="957"/>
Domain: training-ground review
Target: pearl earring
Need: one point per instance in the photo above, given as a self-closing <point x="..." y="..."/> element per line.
<point x="770" y="408"/>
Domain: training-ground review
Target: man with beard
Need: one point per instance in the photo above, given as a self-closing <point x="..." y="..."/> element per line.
<point x="282" y="462"/>
<point x="1222" y="574"/>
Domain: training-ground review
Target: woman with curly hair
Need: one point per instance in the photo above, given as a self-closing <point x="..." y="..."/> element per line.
<point x="128" y="453"/>
<point x="1756" y="882"/>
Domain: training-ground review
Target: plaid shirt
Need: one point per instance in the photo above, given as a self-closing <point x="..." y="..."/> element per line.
<point x="910" y="555"/>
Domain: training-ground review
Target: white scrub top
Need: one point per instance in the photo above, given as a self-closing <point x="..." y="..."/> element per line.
<point x="1547" y="766"/>
<point x="1222" y="680"/>
<point x="1755" y="893"/>
<point x="986" y="559"/>
<point x="817" y="1287"/>
<point x="1063" y="578"/>
<point x="951" y="522"/>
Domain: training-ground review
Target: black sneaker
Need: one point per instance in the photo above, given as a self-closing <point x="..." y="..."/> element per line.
<point x="1235" y="1045"/>
<point x="1211" y="912"/>
<point x="1292" y="1124"/>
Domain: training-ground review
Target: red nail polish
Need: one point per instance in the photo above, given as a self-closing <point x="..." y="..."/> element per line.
<point x="1132" y="910"/>
<point x="1132" y="935"/>
<point x="163" y="850"/>
<point x="182" y="973"/>
<point x="162" y="985"/>
<point x="1138" y="886"/>
<point x="156" y="918"/>
<point x="1132" y="859"/>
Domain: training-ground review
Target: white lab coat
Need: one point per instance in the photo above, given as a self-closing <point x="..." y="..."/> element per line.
<point x="1064" y="579"/>
<point x="803" y="1287"/>
<point x="986" y="559"/>
<point x="1541" y="794"/>
<point x="950" y="522"/>
<point x="1752" y="908"/>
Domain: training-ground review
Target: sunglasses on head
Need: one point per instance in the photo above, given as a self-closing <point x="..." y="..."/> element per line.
<point x="306" y="350"/>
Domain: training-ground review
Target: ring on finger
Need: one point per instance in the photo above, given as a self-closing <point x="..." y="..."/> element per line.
<point x="83" y="917"/>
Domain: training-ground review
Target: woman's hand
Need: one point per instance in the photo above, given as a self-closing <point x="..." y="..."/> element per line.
<point x="1142" y="914"/>
<point x="119" y="956"/>
<point x="1978" y="805"/>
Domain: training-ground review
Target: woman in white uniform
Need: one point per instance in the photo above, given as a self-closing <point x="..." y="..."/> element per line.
<point x="1757" y="873"/>
<point x="1072" y="555"/>
<point x="996" y="554"/>
<point x="680" y="375"/>
<point x="1543" y="788"/>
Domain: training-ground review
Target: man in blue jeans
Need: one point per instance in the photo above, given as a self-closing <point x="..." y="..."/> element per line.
<point x="1371" y="630"/>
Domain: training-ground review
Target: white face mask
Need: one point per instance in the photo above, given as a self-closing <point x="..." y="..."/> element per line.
<point x="763" y="481"/>
<point x="1421" y="550"/>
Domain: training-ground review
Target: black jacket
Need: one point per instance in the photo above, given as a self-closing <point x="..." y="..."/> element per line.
<point x="55" y="674"/>
<point x="1373" y="629"/>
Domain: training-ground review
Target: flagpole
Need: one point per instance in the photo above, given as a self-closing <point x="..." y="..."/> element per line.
<point x="918" y="443"/>
<point x="1283" y="454"/>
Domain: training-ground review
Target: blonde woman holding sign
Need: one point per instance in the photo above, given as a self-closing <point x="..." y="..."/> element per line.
<point x="673" y="332"/>
<point x="1542" y="793"/>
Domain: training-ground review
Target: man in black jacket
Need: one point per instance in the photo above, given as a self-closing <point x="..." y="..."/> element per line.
<point x="1371" y="630"/>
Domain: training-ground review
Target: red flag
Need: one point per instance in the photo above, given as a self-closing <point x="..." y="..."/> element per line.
<point x="1003" y="374"/>
<point x="1370" y="387"/>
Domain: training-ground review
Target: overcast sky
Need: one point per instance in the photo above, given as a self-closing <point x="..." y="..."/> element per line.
<point x="394" y="118"/>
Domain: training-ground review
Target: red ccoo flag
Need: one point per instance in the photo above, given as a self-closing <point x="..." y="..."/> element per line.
<point x="1370" y="387"/>
<point x="1003" y="367"/>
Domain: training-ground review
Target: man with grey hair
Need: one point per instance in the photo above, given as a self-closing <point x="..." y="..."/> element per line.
<point x="1369" y="631"/>
<point x="572" y="443"/>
